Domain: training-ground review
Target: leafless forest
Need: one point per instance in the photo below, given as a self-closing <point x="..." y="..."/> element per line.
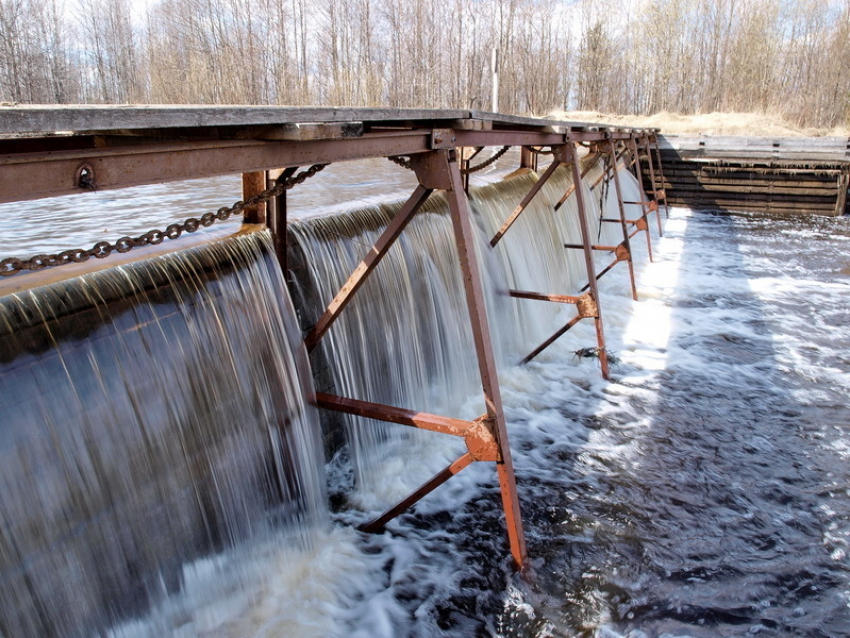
<point x="787" y="57"/>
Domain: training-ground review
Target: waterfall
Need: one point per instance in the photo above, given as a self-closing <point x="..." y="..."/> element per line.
<point x="158" y="450"/>
<point x="152" y="414"/>
<point x="404" y="339"/>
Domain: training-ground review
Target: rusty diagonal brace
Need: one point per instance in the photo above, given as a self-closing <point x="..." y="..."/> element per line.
<point x="477" y="434"/>
<point x="486" y="437"/>
<point x="622" y="252"/>
<point x="525" y="202"/>
<point x="572" y="188"/>
<point x="586" y="307"/>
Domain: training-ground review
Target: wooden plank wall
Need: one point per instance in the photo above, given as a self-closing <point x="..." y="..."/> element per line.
<point x="763" y="175"/>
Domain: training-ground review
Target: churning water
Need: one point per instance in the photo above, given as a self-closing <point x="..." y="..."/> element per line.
<point x="703" y="491"/>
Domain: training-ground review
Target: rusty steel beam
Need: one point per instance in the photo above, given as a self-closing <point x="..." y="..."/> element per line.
<point x="538" y="296"/>
<point x="365" y="268"/>
<point x="524" y="203"/>
<point x="276" y="219"/>
<point x="558" y="334"/>
<point x="28" y="176"/>
<point x="391" y="414"/>
<point x="615" y="161"/>
<point x="652" y="181"/>
<point x="477" y="435"/>
<point x="253" y="184"/>
<point x="377" y="525"/>
<point x="527" y="159"/>
<point x="607" y="249"/>
<point x="507" y="138"/>
<point x="602" y="272"/>
<point x="473" y="287"/>
<point x="588" y="259"/>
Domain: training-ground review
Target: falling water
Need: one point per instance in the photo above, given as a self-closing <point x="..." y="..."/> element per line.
<point x="404" y="339"/>
<point x="153" y="414"/>
<point x="160" y="467"/>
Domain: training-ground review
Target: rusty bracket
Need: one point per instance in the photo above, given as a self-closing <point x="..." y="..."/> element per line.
<point x="432" y="170"/>
<point x="563" y="153"/>
<point x="596" y="147"/>
<point x="587" y="307"/>
<point x="640" y="223"/>
<point x="480" y="439"/>
<point x="443" y="139"/>
<point x="479" y="435"/>
<point x="622" y="252"/>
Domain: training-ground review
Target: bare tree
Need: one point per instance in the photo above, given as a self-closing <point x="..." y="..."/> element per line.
<point x="787" y="56"/>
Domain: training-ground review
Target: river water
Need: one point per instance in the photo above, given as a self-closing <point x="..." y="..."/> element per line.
<point x="704" y="491"/>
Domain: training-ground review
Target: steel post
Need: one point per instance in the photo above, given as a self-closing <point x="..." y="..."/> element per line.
<point x="276" y="219"/>
<point x="253" y="184"/>
<point x="572" y="156"/>
<point x="643" y="202"/>
<point x="661" y="173"/>
<point x="652" y="180"/>
<point x="473" y="287"/>
<point x="626" y="242"/>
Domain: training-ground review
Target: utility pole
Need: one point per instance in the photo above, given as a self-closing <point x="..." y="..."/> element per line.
<point x="495" y="65"/>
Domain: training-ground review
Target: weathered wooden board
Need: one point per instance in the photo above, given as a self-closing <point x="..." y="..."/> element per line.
<point x="799" y="175"/>
<point x="34" y="119"/>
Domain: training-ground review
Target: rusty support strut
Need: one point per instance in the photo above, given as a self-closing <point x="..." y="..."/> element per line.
<point x="661" y="192"/>
<point x="622" y="251"/>
<point x="587" y="305"/>
<point x="652" y="180"/>
<point x="641" y="223"/>
<point x="525" y="202"/>
<point x="486" y="437"/>
<point x="572" y="155"/>
<point x="465" y="240"/>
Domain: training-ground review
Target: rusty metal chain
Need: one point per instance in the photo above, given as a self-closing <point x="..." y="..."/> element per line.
<point x="487" y="162"/>
<point x="405" y="162"/>
<point x="401" y="161"/>
<point x="12" y="265"/>
<point x="540" y="151"/>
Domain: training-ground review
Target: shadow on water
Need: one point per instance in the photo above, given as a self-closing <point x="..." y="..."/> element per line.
<point x="725" y="511"/>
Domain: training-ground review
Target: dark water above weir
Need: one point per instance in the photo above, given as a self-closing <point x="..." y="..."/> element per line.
<point x="703" y="492"/>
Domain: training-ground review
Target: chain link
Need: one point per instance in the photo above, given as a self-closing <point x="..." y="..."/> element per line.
<point x="487" y="162"/>
<point x="401" y="161"/>
<point x="12" y="265"/>
<point x="405" y="162"/>
<point x="540" y="151"/>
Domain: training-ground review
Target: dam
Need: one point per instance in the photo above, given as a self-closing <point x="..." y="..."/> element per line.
<point x="171" y="421"/>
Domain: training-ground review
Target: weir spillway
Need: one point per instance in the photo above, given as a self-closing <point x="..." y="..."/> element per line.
<point x="163" y="410"/>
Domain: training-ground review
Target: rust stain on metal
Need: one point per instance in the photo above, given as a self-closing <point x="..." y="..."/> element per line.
<point x="587" y="306"/>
